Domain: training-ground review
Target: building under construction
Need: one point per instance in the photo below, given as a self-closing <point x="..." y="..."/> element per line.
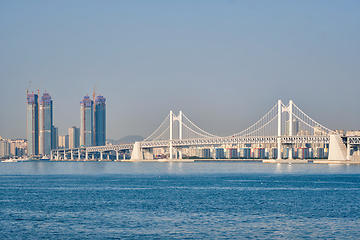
<point x="100" y="121"/>
<point x="33" y="124"/>
<point x="46" y="124"/>
<point x="92" y="121"/>
<point x="39" y="124"/>
<point x="86" y="122"/>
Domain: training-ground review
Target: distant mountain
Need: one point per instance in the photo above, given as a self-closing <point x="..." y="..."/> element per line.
<point x="127" y="139"/>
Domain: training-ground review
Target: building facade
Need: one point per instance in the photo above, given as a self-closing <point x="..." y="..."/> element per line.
<point x="32" y="124"/>
<point x="296" y="127"/>
<point x="18" y="147"/>
<point x="55" y="137"/>
<point x="46" y="124"/>
<point x="74" y="137"/>
<point x="63" y="141"/>
<point x="4" y="148"/>
<point x="100" y="121"/>
<point x="86" y="122"/>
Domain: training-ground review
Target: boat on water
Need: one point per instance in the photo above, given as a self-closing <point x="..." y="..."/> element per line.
<point x="23" y="159"/>
<point x="10" y="160"/>
<point x="45" y="158"/>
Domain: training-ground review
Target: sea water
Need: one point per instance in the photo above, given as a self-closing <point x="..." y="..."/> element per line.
<point x="201" y="200"/>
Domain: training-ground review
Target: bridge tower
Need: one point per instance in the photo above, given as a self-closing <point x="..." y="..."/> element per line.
<point x="279" y="129"/>
<point x="290" y="127"/>
<point x="171" y="123"/>
<point x="180" y="133"/>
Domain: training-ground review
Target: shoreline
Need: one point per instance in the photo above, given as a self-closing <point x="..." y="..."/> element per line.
<point x="276" y="161"/>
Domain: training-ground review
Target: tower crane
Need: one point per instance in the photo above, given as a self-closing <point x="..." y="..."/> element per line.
<point x="27" y="89"/>
<point x="94" y="92"/>
<point x="94" y="127"/>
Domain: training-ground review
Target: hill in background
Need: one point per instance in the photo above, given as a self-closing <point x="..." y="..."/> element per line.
<point x="127" y="139"/>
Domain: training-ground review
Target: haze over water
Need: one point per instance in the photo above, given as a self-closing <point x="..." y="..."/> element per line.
<point x="106" y="200"/>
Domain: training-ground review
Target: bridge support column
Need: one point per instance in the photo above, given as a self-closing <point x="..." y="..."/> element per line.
<point x="86" y="155"/>
<point x="137" y="153"/>
<point x="348" y="150"/>
<point x="279" y="129"/>
<point x="79" y="154"/>
<point x="117" y="155"/>
<point x="180" y="153"/>
<point x="57" y="155"/>
<point x="171" y="134"/>
<point x="101" y="156"/>
<point x="290" y="152"/>
<point x="337" y="149"/>
<point x="71" y="154"/>
<point x="51" y="155"/>
<point x="65" y="155"/>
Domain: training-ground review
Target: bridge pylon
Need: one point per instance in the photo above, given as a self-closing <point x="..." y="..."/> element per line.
<point x="279" y="130"/>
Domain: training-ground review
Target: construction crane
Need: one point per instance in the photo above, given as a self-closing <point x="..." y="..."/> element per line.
<point x="27" y="89"/>
<point x="94" y="92"/>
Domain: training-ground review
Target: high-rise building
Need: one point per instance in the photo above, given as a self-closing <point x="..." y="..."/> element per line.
<point x="4" y="148"/>
<point x="55" y="137"/>
<point x="46" y="124"/>
<point x="74" y="137"/>
<point x="86" y="122"/>
<point x="33" y="124"/>
<point x="295" y="127"/>
<point x="100" y="121"/>
<point x="63" y="141"/>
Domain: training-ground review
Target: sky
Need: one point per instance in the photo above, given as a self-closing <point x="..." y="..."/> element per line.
<point x="225" y="64"/>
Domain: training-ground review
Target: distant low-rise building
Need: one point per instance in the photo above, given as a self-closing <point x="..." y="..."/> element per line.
<point x="353" y="133"/>
<point x="18" y="147"/>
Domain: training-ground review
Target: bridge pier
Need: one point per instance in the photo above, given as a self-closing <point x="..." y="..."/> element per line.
<point x="137" y="153"/>
<point x="348" y="150"/>
<point x="279" y="157"/>
<point x="290" y="152"/>
<point x="180" y="153"/>
<point x="279" y="129"/>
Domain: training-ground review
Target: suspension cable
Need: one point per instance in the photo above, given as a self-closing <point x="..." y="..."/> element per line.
<point x="254" y="123"/>
<point x="198" y="127"/>
<point x="157" y="128"/>
<point x="327" y="129"/>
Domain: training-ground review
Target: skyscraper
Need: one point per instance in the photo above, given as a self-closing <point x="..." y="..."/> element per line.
<point x="74" y="137"/>
<point x="46" y="124"/>
<point x="295" y="127"/>
<point x="63" y="141"/>
<point x="86" y="122"/>
<point x="55" y="137"/>
<point x="100" y="121"/>
<point x="32" y="124"/>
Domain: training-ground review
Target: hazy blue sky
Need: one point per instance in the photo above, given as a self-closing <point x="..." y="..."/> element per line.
<point x="223" y="63"/>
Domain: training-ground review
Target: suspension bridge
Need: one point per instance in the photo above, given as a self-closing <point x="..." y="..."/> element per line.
<point x="283" y="126"/>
